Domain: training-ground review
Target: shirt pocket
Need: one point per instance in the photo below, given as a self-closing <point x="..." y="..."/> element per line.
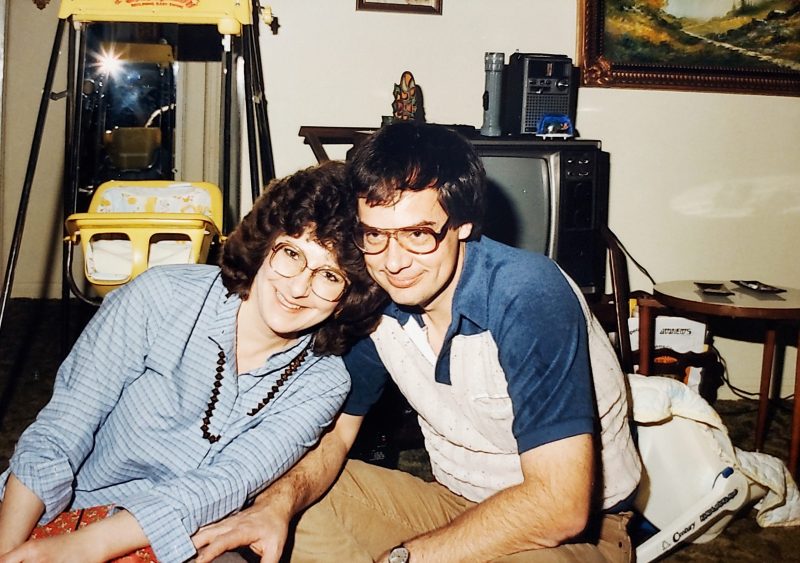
<point x="480" y="385"/>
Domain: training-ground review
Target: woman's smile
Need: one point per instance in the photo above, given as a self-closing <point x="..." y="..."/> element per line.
<point x="286" y="303"/>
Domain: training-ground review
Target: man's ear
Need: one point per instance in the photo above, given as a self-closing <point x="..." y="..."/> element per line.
<point x="464" y="231"/>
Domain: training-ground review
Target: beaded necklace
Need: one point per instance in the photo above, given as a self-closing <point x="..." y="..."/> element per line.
<point x="212" y="400"/>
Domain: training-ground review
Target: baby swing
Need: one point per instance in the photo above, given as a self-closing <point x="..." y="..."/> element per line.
<point x="132" y="226"/>
<point x="134" y="145"/>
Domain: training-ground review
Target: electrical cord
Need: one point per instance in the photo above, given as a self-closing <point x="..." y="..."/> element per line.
<point x="627" y="253"/>
<point x="738" y="391"/>
<point x="741" y="393"/>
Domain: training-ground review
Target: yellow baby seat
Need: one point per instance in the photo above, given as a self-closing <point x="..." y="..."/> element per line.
<point x="133" y="225"/>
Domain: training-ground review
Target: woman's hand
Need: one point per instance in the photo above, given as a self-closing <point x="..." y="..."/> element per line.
<point x="67" y="548"/>
<point x="19" y="512"/>
<point x="260" y="527"/>
<point x="100" y="541"/>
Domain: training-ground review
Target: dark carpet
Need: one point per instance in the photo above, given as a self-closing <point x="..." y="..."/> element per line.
<point x="34" y="336"/>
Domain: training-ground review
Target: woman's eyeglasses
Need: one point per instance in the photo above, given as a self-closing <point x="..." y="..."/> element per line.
<point x="289" y="261"/>
<point x="417" y="240"/>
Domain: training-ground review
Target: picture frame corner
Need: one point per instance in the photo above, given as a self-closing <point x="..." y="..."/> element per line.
<point x="431" y="7"/>
<point x="599" y="69"/>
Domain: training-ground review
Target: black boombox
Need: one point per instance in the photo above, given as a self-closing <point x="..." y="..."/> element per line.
<point x="535" y="85"/>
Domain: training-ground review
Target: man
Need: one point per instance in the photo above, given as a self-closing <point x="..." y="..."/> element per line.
<point x="529" y="445"/>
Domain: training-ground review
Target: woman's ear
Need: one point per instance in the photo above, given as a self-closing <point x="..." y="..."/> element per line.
<point x="464" y="231"/>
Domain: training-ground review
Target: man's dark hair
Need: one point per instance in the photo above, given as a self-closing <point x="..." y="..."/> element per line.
<point x="319" y="199"/>
<point x="416" y="156"/>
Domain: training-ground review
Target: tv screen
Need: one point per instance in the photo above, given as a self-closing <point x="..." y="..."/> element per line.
<point x="519" y="201"/>
<point x="551" y="197"/>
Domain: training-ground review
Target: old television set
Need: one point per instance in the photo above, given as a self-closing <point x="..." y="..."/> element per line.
<point x="551" y="197"/>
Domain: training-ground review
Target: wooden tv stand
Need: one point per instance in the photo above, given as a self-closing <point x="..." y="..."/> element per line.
<point x="318" y="137"/>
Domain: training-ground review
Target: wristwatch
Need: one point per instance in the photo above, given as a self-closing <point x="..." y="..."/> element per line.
<point x="399" y="554"/>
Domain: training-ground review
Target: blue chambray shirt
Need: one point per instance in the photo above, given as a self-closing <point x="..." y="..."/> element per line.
<point x="123" y="426"/>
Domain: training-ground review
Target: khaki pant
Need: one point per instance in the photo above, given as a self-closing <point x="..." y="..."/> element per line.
<point x="371" y="509"/>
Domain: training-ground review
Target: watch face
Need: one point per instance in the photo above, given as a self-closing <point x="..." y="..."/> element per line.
<point x="399" y="555"/>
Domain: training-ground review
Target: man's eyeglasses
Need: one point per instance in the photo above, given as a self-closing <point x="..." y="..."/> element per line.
<point x="417" y="240"/>
<point x="289" y="261"/>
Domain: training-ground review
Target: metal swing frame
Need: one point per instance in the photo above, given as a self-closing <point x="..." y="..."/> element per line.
<point x="237" y="22"/>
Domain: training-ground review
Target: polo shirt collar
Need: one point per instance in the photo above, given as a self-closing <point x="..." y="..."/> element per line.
<point x="470" y="304"/>
<point x="471" y="296"/>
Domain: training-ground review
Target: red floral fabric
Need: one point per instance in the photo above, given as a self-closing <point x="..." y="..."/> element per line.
<point x="68" y="522"/>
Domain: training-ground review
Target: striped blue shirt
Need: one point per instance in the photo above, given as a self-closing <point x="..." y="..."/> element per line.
<point x="123" y="425"/>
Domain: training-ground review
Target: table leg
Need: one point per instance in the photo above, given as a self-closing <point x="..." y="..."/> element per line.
<point x="645" y="338"/>
<point x="794" y="450"/>
<point x="316" y="147"/>
<point x="763" y="393"/>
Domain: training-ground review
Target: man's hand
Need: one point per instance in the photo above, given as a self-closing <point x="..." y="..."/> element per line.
<point x="262" y="529"/>
<point x="265" y="525"/>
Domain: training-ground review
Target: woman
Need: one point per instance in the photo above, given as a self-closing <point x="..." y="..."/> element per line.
<point x="193" y="387"/>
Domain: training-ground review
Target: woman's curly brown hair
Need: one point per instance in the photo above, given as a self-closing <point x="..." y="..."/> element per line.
<point x="317" y="198"/>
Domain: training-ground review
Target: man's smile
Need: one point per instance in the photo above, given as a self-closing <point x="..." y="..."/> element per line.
<point x="401" y="282"/>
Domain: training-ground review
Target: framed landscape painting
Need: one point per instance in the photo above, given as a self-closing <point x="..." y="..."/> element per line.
<point x="738" y="46"/>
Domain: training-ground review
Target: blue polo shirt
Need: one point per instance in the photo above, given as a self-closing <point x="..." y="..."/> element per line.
<point x="515" y="355"/>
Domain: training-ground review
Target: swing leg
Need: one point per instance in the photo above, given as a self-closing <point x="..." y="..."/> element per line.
<point x="22" y="210"/>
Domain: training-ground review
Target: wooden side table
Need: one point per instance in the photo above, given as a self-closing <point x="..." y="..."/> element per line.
<point x="685" y="297"/>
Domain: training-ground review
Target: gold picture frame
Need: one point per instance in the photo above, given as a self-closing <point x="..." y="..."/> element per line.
<point x="407" y="6"/>
<point x="636" y="44"/>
